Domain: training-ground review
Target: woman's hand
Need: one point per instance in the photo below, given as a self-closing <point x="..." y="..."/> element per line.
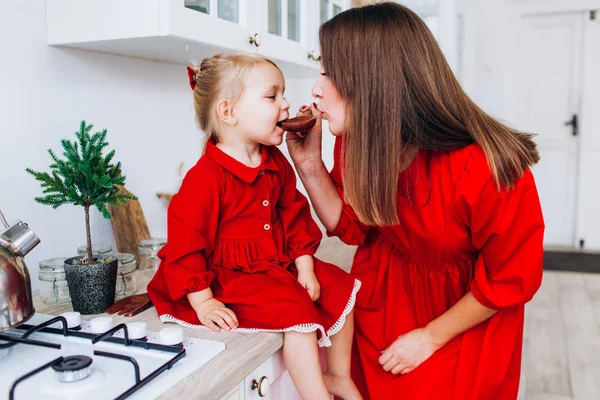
<point x="214" y="315"/>
<point x="305" y="148"/>
<point x="309" y="281"/>
<point x="408" y="351"/>
<point x="413" y="348"/>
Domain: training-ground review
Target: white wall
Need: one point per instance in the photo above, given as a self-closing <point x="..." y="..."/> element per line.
<point x="45" y="92"/>
<point x="490" y="38"/>
<point x="486" y="49"/>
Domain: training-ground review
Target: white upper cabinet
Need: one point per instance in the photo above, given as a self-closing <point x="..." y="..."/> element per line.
<point x="185" y="31"/>
<point x="330" y="8"/>
<point x="287" y="30"/>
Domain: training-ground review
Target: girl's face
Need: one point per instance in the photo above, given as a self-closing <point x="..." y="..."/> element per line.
<point x="262" y="106"/>
<point x="331" y="105"/>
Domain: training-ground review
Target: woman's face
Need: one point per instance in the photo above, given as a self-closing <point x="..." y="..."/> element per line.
<point x="331" y="105"/>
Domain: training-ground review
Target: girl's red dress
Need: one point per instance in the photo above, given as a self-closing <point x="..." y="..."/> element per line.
<point x="457" y="233"/>
<point x="238" y="230"/>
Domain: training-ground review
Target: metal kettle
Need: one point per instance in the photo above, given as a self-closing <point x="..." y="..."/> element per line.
<point x="16" y="301"/>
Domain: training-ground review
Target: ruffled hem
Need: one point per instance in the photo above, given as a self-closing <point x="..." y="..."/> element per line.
<point x="303" y="328"/>
<point x="339" y="324"/>
<point x="324" y="341"/>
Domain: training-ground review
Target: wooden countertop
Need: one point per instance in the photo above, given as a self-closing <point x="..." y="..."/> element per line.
<point x="244" y="352"/>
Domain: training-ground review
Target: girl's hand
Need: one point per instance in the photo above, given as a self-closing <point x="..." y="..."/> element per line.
<point x="309" y="281"/>
<point x="305" y="148"/>
<point x="214" y="315"/>
<point x="408" y="352"/>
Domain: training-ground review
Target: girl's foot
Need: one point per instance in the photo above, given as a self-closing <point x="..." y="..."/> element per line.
<point x="341" y="386"/>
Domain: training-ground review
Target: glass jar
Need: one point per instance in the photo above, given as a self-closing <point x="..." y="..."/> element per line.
<point x="147" y="250"/>
<point x="97" y="250"/>
<point x="53" y="282"/>
<point x="126" y="281"/>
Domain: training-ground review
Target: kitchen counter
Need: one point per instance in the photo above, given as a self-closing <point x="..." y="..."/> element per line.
<point x="244" y="352"/>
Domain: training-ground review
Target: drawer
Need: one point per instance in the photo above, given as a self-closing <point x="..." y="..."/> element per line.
<point x="261" y="378"/>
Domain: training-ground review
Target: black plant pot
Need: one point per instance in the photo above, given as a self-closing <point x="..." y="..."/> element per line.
<point x="91" y="286"/>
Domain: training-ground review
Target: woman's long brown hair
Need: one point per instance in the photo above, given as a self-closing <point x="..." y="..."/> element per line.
<point x="401" y="95"/>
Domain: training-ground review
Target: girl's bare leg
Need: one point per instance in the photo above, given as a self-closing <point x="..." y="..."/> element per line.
<point x="301" y="357"/>
<point x="337" y="378"/>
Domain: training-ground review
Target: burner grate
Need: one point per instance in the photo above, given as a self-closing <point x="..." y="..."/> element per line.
<point x="72" y="366"/>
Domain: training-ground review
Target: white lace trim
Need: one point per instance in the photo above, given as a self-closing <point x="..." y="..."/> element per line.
<point x="303" y="328"/>
<point x="335" y="328"/>
<point x="324" y="341"/>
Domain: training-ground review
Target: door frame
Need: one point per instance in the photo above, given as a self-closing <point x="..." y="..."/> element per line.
<point x="563" y="8"/>
<point x="576" y="86"/>
<point x="477" y="19"/>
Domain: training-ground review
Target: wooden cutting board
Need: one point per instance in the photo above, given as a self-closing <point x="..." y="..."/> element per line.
<point x="129" y="225"/>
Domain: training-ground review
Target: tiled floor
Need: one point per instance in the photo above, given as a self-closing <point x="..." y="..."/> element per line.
<point x="561" y="353"/>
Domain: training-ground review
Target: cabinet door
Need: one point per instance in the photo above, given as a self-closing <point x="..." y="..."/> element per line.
<point x="259" y="384"/>
<point x="280" y="384"/>
<point x="327" y="9"/>
<point x="220" y="23"/>
<point x="237" y="393"/>
<point x="330" y="8"/>
<point x="283" y="388"/>
<point x="287" y="30"/>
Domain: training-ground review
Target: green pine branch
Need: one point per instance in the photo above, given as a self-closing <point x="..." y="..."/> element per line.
<point x="84" y="176"/>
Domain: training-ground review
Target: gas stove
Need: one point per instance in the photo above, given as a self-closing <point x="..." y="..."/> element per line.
<point x="63" y="357"/>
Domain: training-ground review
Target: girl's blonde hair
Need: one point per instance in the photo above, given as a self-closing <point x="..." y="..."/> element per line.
<point x="220" y="77"/>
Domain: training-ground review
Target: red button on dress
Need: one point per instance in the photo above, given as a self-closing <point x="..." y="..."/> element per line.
<point x="215" y="239"/>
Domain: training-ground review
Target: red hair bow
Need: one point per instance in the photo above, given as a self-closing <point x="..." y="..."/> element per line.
<point x="192" y="76"/>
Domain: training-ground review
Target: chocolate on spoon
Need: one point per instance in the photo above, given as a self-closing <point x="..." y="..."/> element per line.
<point x="298" y="124"/>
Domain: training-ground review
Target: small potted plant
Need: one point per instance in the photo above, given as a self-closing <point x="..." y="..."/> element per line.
<point x="87" y="178"/>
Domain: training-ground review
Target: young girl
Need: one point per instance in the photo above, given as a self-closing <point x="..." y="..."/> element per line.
<point x="241" y="238"/>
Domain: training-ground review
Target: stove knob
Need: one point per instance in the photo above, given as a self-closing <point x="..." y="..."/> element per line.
<point x="101" y="324"/>
<point x="136" y="330"/>
<point x="73" y="319"/>
<point x="171" y="335"/>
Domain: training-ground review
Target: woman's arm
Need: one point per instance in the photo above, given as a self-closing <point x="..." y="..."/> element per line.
<point x="305" y="151"/>
<point x="507" y="227"/>
<point x="322" y="193"/>
<point x="412" y="349"/>
<point x="462" y="316"/>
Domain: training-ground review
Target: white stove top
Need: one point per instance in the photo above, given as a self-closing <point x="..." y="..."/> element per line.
<point x="109" y="377"/>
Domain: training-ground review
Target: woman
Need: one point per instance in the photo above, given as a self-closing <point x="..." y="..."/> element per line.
<point x="440" y="200"/>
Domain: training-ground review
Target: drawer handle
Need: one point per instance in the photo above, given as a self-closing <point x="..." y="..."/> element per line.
<point x="255" y="40"/>
<point x="263" y="385"/>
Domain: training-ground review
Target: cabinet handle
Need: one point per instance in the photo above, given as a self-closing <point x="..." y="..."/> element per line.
<point x="255" y="40"/>
<point x="263" y="385"/>
<point x="313" y="56"/>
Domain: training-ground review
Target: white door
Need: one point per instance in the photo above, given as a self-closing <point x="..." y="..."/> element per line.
<point x="547" y="75"/>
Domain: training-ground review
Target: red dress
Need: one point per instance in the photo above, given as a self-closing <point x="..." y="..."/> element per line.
<point x="238" y="230"/>
<point x="457" y="233"/>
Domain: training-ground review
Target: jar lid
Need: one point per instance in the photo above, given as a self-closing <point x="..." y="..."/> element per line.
<point x="126" y="262"/>
<point x="97" y="249"/>
<point x="153" y="242"/>
<point x="52" y="269"/>
<point x="152" y="245"/>
<point x="53" y="265"/>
